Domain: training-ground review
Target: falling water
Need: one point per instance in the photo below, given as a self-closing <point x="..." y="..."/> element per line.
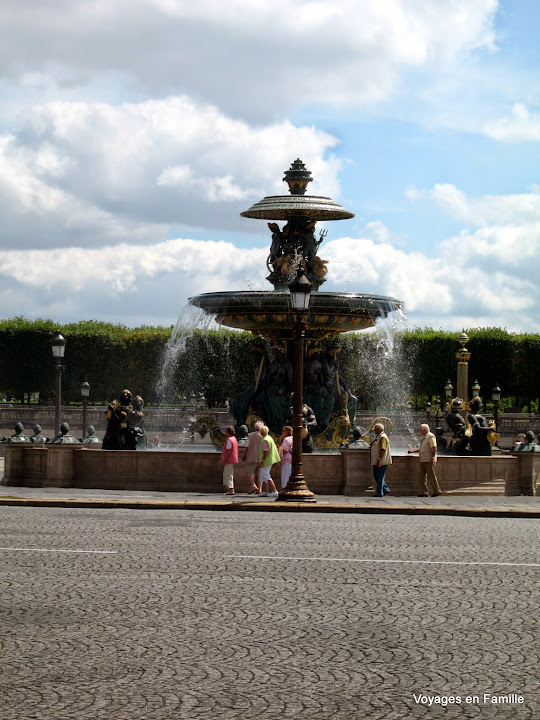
<point x="387" y="371"/>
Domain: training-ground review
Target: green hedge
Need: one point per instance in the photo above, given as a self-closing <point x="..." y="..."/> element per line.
<point x="382" y="372"/>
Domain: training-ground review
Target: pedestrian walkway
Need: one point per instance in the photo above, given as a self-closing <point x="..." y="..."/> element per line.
<point x="475" y="506"/>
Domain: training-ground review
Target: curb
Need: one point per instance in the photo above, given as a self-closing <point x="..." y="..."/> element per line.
<point x="240" y="506"/>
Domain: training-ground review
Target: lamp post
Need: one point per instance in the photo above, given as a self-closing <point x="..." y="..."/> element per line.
<point x="297" y="489"/>
<point x="427" y="408"/>
<point x="438" y="411"/>
<point x="85" y="392"/>
<point x="448" y="390"/>
<point x="475" y="389"/>
<point x="463" y="356"/>
<point x="58" y="344"/>
<point x="496" y="397"/>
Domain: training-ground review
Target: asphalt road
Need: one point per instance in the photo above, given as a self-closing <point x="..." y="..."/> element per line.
<point x="143" y="615"/>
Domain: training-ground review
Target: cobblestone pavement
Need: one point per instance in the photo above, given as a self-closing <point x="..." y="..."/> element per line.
<point x="164" y="615"/>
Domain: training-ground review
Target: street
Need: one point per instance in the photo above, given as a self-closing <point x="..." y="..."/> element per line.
<point x="164" y="615"/>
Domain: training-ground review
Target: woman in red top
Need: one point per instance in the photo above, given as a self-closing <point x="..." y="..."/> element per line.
<point x="229" y="458"/>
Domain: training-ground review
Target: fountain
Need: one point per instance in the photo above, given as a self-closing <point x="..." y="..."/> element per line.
<point x="269" y="313"/>
<point x="294" y="248"/>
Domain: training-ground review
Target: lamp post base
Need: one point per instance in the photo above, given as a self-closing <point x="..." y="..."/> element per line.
<point x="296" y="491"/>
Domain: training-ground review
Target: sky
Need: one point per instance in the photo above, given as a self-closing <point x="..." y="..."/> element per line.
<point x="133" y="134"/>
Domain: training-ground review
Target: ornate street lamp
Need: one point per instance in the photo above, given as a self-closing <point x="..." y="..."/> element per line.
<point x="463" y="356"/>
<point x="448" y="388"/>
<point x="58" y="344"/>
<point x="438" y="410"/>
<point x="475" y="389"/>
<point x="427" y="408"/>
<point x="85" y="392"/>
<point x="496" y="397"/>
<point x="297" y="489"/>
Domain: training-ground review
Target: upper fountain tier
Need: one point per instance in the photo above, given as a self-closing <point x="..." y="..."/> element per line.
<point x="295" y="246"/>
<point x="294" y="249"/>
<point x="297" y="204"/>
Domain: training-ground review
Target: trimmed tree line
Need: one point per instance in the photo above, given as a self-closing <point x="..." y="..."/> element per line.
<point x="382" y="372"/>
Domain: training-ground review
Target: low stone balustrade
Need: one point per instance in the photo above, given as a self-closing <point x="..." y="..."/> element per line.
<point x="345" y="473"/>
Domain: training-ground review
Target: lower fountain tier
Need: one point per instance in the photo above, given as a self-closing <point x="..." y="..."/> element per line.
<point x="269" y="313"/>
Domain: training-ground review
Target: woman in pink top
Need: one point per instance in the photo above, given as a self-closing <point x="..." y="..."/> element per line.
<point x="285" y="453"/>
<point x="229" y="458"/>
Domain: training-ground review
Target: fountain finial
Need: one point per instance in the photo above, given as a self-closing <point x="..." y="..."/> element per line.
<point x="297" y="178"/>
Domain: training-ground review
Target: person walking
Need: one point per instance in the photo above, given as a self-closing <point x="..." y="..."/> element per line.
<point x="251" y="456"/>
<point x="381" y="458"/>
<point x="285" y="453"/>
<point x="269" y="456"/>
<point x="427" y="452"/>
<point x="228" y="459"/>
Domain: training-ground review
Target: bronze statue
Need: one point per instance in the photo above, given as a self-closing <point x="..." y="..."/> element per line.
<point x="309" y="422"/>
<point x="357" y="443"/>
<point x="482" y="435"/>
<point x="529" y="444"/>
<point x="295" y="247"/>
<point x="18" y="437"/>
<point x="454" y="419"/>
<point x="442" y="442"/>
<point x="124" y="420"/>
<point x="90" y="438"/>
<point x="63" y="437"/>
<point x="37" y="438"/>
<point x="242" y="436"/>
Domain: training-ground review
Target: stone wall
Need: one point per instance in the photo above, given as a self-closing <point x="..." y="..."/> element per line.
<point x="453" y="473"/>
<point x="347" y="472"/>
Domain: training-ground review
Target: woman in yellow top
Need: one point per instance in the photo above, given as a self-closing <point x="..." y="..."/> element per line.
<point x="268" y="456"/>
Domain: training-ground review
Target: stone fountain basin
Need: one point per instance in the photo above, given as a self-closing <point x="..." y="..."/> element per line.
<point x="269" y="312"/>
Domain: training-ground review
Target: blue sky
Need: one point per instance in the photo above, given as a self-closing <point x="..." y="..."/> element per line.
<point x="132" y="135"/>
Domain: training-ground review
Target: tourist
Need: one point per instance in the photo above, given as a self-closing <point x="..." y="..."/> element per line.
<point x="228" y="459"/>
<point x="427" y="452"/>
<point x="519" y="440"/>
<point x="285" y="453"/>
<point x="381" y="457"/>
<point x="251" y="458"/>
<point x="268" y="456"/>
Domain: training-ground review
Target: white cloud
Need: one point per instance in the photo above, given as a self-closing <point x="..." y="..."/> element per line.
<point x="485" y="277"/>
<point x="252" y="58"/>
<point x="123" y="120"/>
<point x="521" y="124"/>
<point x="132" y="284"/>
<point x="82" y="173"/>
<point x="519" y="208"/>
